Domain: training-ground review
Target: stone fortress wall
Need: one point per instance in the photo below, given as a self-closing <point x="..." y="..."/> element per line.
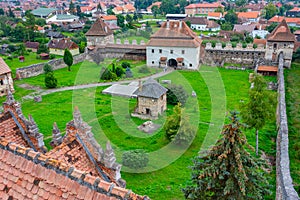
<point x="37" y="69"/>
<point x="284" y="183"/>
<point x="245" y="56"/>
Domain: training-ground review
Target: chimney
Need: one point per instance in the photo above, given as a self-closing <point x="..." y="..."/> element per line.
<point x="168" y="24"/>
<point x="140" y="86"/>
<point x="180" y="24"/>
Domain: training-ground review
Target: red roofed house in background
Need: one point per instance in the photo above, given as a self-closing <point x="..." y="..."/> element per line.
<point x="149" y="8"/>
<point x="58" y="46"/>
<point x="289" y="20"/>
<point x="250" y="16"/>
<point x="77" y="167"/>
<point x="202" y="8"/>
<point x="281" y="40"/>
<point x="295" y="12"/>
<point x="6" y="81"/>
<point x="99" y="34"/>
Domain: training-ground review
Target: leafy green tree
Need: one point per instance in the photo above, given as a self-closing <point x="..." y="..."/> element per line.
<point x="155" y="11"/>
<point x="125" y="65"/>
<point x="50" y="80"/>
<point x="270" y="10"/>
<point x="185" y="133"/>
<point x="231" y="17"/>
<point x="241" y="3"/>
<point x="2" y="11"/>
<point x="296" y="55"/>
<point x="119" y="71"/>
<point x="219" y="9"/>
<point x="110" y="11"/>
<point x="72" y="8"/>
<point x="260" y="108"/>
<point x="129" y="19"/>
<point x="271" y="27"/>
<point x="188" y="23"/>
<point x="68" y="59"/>
<point x="30" y="26"/>
<point x="78" y="11"/>
<point x="42" y="49"/>
<point x="176" y="94"/>
<point x="135" y="159"/>
<point x="106" y="74"/>
<point x="120" y="20"/>
<point x="227" y="170"/>
<point x="99" y="8"/>
<point x="40" y="22"/>
<point x="169" y="6"/>
<point x="227" y="26"/>
<point x="135" y="17"/>
<point x="10" y="13"/>
<point x="47" y="68"/>
<point x="173" y="122"/>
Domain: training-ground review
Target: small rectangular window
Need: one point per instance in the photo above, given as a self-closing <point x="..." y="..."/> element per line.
<point x="152" y="50"/>
<point x="160" y="50"/>
<point x="191" y="65"/>
<point x="171" y="51"/>
<point x="182" y="51"/>
<point x="152" y="62"/>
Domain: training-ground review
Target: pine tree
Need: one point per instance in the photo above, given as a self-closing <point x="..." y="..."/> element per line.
<point x="227" y="171"/>
<point x="72" y="8"/>
<point x="68" y="59"/>
<point x="260" y="108"/>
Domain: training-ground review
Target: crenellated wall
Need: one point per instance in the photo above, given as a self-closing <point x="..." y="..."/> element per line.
<point x="284" y="183"/>
<point x="218" y="55"/>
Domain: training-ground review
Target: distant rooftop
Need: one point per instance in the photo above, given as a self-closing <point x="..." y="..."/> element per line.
<point x="64" y="17"/>
<point x="43" y="12"/>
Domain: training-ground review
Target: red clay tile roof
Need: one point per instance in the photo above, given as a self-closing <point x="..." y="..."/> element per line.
<point x="248" y="15"/>
<point x="62" y="44"/>
<point x="267" y="68"/>
<point x="281" y="33"/>
<point x="171" y="35"/>
<point x="296" y="9"/>
<point x="109" y="17"/>
<point x="129" y="7"/>
<point x="214" y="14"/>
<point x="26" y="174"/>
<point x="4" y="68"/>
<point x="32" y="45"/>
<point x="278" y="19"/>
<point x="260" y="41"/>
<point x="204" y="5"/>
<point x="99" y="28"/>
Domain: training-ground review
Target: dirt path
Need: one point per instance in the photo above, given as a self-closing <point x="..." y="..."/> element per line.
<point x="78" y="87"/>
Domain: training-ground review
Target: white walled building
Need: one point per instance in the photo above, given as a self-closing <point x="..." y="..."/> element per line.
<point x="174" y="45"/>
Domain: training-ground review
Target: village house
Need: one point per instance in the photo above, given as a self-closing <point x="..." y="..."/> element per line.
<point x="255" y="7"/>
<point x="6" y="81"/>
<point x="202" y="24"/>
<point x="174" y="45"/>
<point x="214" y="15"/>
<point x="58" y="46"/>
<point x="118" y="10"/>
<point x="62" y="18"/>
<point x="151" y="99"/>
<point x="33" y="46"/>
<point x="99" y="34"/>
<point x="128" y="9"/>
<point x="77" y="166"/>
<point x="43" y="12"/>
<point x="253" y="16"/>
<point x="111" y="21"/>
<point x="295" y="12"/>
<point x="202" y="8"/>
<point x="295" y="22"/>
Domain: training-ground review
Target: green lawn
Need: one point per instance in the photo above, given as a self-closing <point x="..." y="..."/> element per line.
<point x="218" y="91"/>
<point x="30" y="59"/>
<point x="292" y="78"/>
<point x="84" y="73"/>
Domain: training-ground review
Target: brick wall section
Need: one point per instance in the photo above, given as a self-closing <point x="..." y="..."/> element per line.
<point x="37" y="69"/>
<point x="284" y="183"/>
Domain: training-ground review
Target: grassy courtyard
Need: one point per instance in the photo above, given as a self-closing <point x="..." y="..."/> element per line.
<point x="292" y="78"/>
<point x="86" y="72"/>
<point x="218" y="91"/>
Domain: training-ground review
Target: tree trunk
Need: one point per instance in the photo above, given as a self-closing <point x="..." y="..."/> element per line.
<point x="256" y="133"/>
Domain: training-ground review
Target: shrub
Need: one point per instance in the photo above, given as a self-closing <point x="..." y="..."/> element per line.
<point x="119" y="71"/>
<point x="50" y="80"/>
<point x="135" y="159"/>
<point x="106" y="74"/>
<point x="244" y="45"/>
<point x="176" y="94"/>
<point x="144" y="69"/>
<point x="254" y="46"/>
<point x="52" y="56"/>
<point x="47" y="68"/>
<point x="125" y="65"/>
<point x="9" y="57"/>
